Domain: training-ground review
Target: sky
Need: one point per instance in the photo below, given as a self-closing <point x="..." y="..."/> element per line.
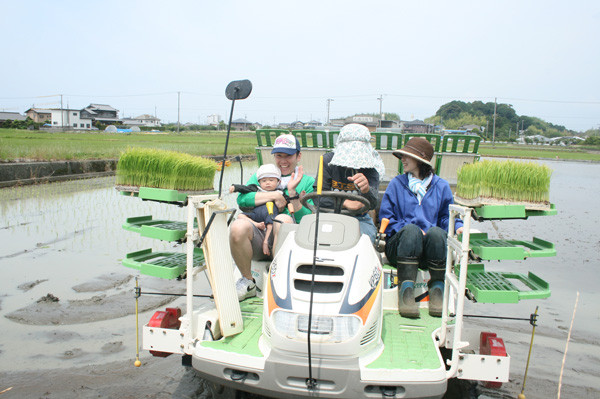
<point x="543" y="57"/>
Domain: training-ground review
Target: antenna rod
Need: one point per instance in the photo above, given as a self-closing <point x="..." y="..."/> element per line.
<point x="226" y="143"/>
<point x="311" y="383"/>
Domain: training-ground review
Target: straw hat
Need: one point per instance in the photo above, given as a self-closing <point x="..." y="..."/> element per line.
<point x="353" y="149"/>
<point x="417" y="148"/>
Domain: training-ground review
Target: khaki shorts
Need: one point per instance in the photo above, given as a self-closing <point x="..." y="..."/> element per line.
<point x="258" y="237"/>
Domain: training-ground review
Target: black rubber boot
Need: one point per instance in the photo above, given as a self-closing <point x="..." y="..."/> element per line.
<point x="406" y="300"/>
<point x="436" y="298"/>
<point x="437" y="270"/>
<point x="407" y="274"/>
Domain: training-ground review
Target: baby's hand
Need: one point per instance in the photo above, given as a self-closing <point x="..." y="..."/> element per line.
<point x="231" y="189"/>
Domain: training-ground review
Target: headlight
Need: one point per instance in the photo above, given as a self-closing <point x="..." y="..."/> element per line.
<point x="319" y="324"/>
<point x="330" y="328"/>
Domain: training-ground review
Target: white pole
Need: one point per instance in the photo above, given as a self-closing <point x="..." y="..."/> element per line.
<point x="494" y="127"/>
<point x="178" y="108"/>
<point x="562" y="368"/>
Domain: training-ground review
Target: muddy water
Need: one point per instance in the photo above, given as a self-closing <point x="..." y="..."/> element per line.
<point x="66" y="239"/>
<point x="575" y="190"/>
<point x="68" y="235"/>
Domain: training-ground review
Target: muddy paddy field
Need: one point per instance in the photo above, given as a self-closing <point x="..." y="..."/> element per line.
<point x="67" y="305"/>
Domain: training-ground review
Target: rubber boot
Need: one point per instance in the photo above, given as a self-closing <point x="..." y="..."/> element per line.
<point x="407" y="274"/>
<point x="437" y="271"/>
<point x="436" y="298"/>
<point x="406" y="300"/>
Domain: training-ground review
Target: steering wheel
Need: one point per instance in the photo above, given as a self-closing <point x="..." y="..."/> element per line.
<point x="338" y="198"/>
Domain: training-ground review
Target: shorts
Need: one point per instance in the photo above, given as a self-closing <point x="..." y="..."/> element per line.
<point x="258" y="237"/>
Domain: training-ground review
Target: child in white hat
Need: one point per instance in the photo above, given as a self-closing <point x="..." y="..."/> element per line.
<point x="268" y="176"/>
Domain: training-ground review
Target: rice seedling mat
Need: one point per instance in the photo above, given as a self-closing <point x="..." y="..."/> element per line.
<point x="496" y="249"/>
<point x="489" y="212"/>
<point x="167" y="265"/>
<point x="504" y="287"/>
<point x="147" y="167"/>
<point x="165" y="230"/>
<point x="501" y="183"/>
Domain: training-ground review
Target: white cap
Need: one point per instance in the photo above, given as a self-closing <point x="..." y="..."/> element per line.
<point x="268" y="170"/>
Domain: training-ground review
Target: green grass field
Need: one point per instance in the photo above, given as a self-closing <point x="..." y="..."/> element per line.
<point x="45" y="146"/>
<point x="538" y="151"/>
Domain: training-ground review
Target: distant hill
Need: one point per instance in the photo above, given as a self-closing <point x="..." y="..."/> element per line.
<point x="455" y="114"/>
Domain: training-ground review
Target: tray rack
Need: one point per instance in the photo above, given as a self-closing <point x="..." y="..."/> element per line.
<point x="167" y="265"/>
<point x="165" y="230"/>
<point x="501" y="286"/>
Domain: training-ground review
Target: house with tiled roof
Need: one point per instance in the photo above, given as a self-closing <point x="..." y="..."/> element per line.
<point x="11" y="116"/>
<point x="100" y="113"/>
<point x="142" y="120"/>
<point x="39" y="115"/>
<point x="416" y="126"/>
<point x="241" y="124"/>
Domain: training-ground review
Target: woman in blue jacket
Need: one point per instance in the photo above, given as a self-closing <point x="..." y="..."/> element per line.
<point x="416" y="203"/>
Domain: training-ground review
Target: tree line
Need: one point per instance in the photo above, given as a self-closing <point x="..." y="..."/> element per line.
<point x="455" y="114"/>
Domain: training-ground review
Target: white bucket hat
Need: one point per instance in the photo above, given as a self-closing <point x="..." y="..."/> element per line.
<point x="353" y="149"/>
<point x="268" y="170"/>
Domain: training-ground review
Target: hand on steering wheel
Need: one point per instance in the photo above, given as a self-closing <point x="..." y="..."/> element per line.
<point x="338" y="198"/>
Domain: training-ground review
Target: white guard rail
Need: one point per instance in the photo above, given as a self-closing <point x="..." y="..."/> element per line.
<point x="463" y="365"/>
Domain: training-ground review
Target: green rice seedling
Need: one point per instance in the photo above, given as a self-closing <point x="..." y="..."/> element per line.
<point x="506" y="181"/>
<point x="146" y="167"/>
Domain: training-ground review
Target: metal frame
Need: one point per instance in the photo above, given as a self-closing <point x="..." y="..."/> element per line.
<point x="463" y="365"/>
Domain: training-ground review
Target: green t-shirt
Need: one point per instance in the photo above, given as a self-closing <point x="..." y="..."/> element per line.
<point x="306" y="184"/>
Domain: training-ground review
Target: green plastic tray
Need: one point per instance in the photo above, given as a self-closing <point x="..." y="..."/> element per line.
<point x="161" y="194"/>
<point x="167" y="265"/>
<point x="509" y="212"/>
<point x="504" y="287"/>
<point x="492" y="249"/>
<point x="165" y="230"/>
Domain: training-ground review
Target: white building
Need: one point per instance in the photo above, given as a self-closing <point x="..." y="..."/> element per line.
<point x="69" y="118"/>
<point x="142" y="120"/>
<point x="213" y="120"/>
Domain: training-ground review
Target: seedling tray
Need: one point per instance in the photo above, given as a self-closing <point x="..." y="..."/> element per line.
<point x="504" y="287"/>
<point x="167" y="265"/>
<point x="165" y="230"/>
<point x="496" y="249"/>
<point x="488" y="212"/>
<point x="162" y="194"/>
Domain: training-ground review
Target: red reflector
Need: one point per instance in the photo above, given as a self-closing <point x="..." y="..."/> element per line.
<point x="489" y="344"/>
<point x="165" y="319"/>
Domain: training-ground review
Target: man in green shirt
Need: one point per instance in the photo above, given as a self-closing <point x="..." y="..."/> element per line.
<point x="245" y="239"/>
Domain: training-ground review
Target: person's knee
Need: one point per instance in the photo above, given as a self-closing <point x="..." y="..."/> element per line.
<point x="240" y="229"/>
<point x="408" y="243"/>
<point x="369" y="229"/>
<point x="435" y="237"/>
<point x="411" y="229"/>
<point x="435" y="247"/>
<point x="283" y="218"/>
<point x="436" y="233"/>
<point x="411" y="235"/>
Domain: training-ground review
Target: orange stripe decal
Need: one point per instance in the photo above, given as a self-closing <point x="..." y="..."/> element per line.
<point x="363" y="313"/>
